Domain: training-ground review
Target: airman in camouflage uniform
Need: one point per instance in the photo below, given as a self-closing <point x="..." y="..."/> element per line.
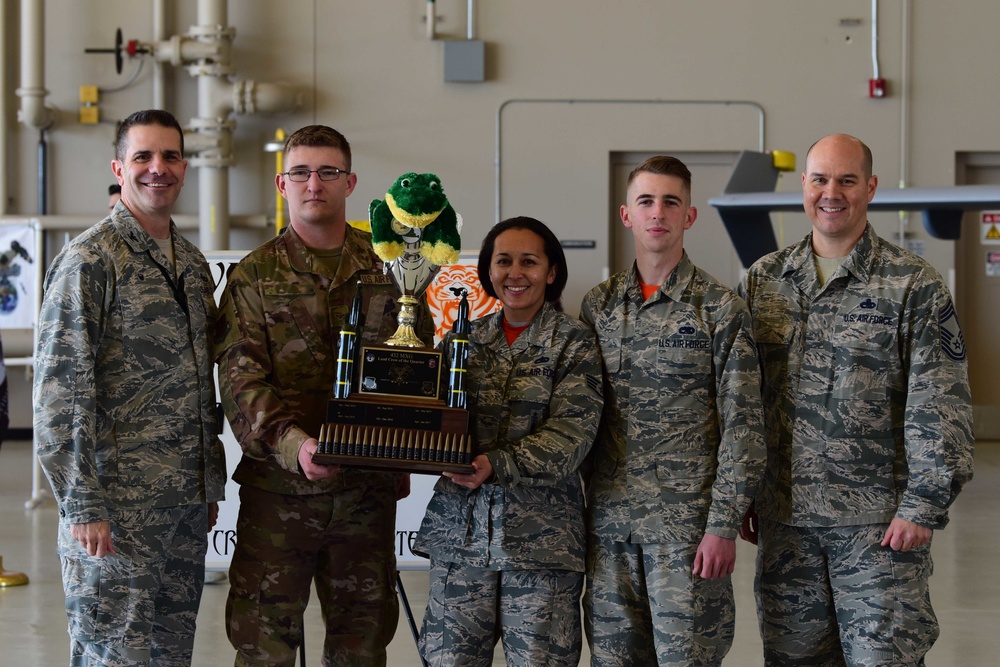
<point x="507" y="553"/>
<point x="279" y="321"/>
<point x="680" y="449"/>
<point x="869" y="429"/>
<point x="125" y="414"/>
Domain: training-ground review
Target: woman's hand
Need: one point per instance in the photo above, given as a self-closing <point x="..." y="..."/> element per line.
<point x="483" y="471"/>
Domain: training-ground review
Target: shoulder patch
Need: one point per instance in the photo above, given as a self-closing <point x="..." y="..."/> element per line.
<point x="952" y="341"/>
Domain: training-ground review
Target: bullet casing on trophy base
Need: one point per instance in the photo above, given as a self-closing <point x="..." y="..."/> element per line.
<point x="396" y="433"/>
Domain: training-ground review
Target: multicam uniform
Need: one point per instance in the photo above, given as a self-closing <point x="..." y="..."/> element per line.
<point x="126" y="425"/>
<point x="280" y="319"/>
<point x="679" y="454"/>
<point x="508" y="557"/>
<point x="868" y="418"/>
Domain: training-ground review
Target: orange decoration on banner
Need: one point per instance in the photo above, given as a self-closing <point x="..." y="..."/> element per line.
<point x="445" y="293"/>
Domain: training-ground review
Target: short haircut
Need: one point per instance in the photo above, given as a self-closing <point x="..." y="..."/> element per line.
<point x="867" y="163"/>
<point x="114" y="190"/>
<point x="553" y="252"/>
<point x="319" y="136"/>
<point x="145" y="117"/>
<point x="664" y="165"/>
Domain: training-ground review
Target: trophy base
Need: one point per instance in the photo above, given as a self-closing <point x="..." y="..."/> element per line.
<point x="383" y="464"/>
<point x="367" y="432"/>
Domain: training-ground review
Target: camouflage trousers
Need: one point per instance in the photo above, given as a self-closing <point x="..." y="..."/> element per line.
<point x="535" y="613"/>
<point x="136" y="607"/>
<point x="342" y="539"/>
<point x="643" y="606"/>
<point x="835" y="596"/>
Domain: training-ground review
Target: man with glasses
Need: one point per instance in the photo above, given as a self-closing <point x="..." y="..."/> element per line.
<point x="298" y="521"/>
<point x="125" y="413"/>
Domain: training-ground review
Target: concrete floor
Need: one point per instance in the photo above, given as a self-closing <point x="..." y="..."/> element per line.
<point x="965" y="586"/>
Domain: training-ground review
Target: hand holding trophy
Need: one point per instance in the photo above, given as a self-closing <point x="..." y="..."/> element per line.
<point x="387" y="414"/>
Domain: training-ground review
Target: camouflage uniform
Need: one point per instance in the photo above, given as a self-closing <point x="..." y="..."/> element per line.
<point x="868" y="418"/>
<point x="508" y="557"/>
<point x="279" y="322"/>
<point x="679" y="454"/>
<point x="126" y="424"/>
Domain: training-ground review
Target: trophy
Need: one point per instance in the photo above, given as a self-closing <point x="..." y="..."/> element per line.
<point x="386" y="412"/>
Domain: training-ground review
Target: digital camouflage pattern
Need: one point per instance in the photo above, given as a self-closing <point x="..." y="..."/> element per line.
<point x="126" y="424"/>
<point x="869" y="417"/>
<point x="536" y="405"/>
<point x="865" y="388"/>
<point x="540" y="611"/>
<point x="680" y="450"/>
<point x="137" y="606"/>
<point x="279" y="321"/>
<point x="286" y="542"/>
<point x="680" y="620"/>
<point x="883" y="614"/>
<point x="124" y="397"/>
<point x="679" y="454"/>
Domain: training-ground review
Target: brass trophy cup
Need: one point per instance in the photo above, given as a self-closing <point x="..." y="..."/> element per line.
<point x="388" y="415"/>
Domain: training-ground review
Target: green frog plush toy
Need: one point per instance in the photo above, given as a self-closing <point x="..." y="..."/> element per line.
<point x="416" y="210"/>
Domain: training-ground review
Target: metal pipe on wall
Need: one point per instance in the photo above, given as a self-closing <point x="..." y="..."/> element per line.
<point x="159" y="34"/>
<point x="213" y="164"/>
<point x="33" y="111"/>
<point x="4" y="192"/>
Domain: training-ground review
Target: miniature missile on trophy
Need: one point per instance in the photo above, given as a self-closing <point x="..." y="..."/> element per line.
<point x="386" y="412"/>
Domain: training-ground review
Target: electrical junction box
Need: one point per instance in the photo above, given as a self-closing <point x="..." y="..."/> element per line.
<point x="465" y="60"/>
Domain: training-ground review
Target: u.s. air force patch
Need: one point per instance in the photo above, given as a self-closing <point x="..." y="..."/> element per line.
<point x="952" y="341"/>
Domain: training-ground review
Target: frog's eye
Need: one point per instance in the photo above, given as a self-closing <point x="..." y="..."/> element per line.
<point x="434" y="185"/>
<point x="405" y="182"/>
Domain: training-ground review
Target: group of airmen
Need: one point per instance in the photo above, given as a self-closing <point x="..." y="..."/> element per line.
<point x="821" y="411"/>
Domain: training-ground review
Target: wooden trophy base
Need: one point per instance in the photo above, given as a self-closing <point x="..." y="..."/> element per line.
<point x="396" y="434"/>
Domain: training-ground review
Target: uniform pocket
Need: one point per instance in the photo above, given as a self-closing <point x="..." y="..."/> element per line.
<point x="242" y="606"/>
<point x="100" y="603"/>
<point x="861" y="371"/>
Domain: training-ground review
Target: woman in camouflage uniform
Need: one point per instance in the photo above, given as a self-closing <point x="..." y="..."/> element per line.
<point x="506" y="542"/>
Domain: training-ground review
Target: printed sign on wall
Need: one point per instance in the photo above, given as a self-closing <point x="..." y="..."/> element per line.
<point x="18" y="275"/>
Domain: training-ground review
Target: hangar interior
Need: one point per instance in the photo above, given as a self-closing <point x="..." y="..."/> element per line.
<point x="522" y="108"/>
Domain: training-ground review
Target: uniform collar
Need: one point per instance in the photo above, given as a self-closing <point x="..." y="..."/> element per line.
<point x="357" y="255"/>
<point x="672" y="288"/>
<point x="800" y="267"/>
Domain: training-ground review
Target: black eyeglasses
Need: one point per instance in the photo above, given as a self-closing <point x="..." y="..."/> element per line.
<point x="325" y="174"/>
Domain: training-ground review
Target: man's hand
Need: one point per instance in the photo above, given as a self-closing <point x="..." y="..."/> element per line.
<point x="213" y="515"/>
<point x="483" y="470"/>
<point x="749" y="527"/>
<point x="716" y="557"/>
<point x="95" y="537"/>
<point x="903" y="535"/>
<point x="313" y="471"/>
